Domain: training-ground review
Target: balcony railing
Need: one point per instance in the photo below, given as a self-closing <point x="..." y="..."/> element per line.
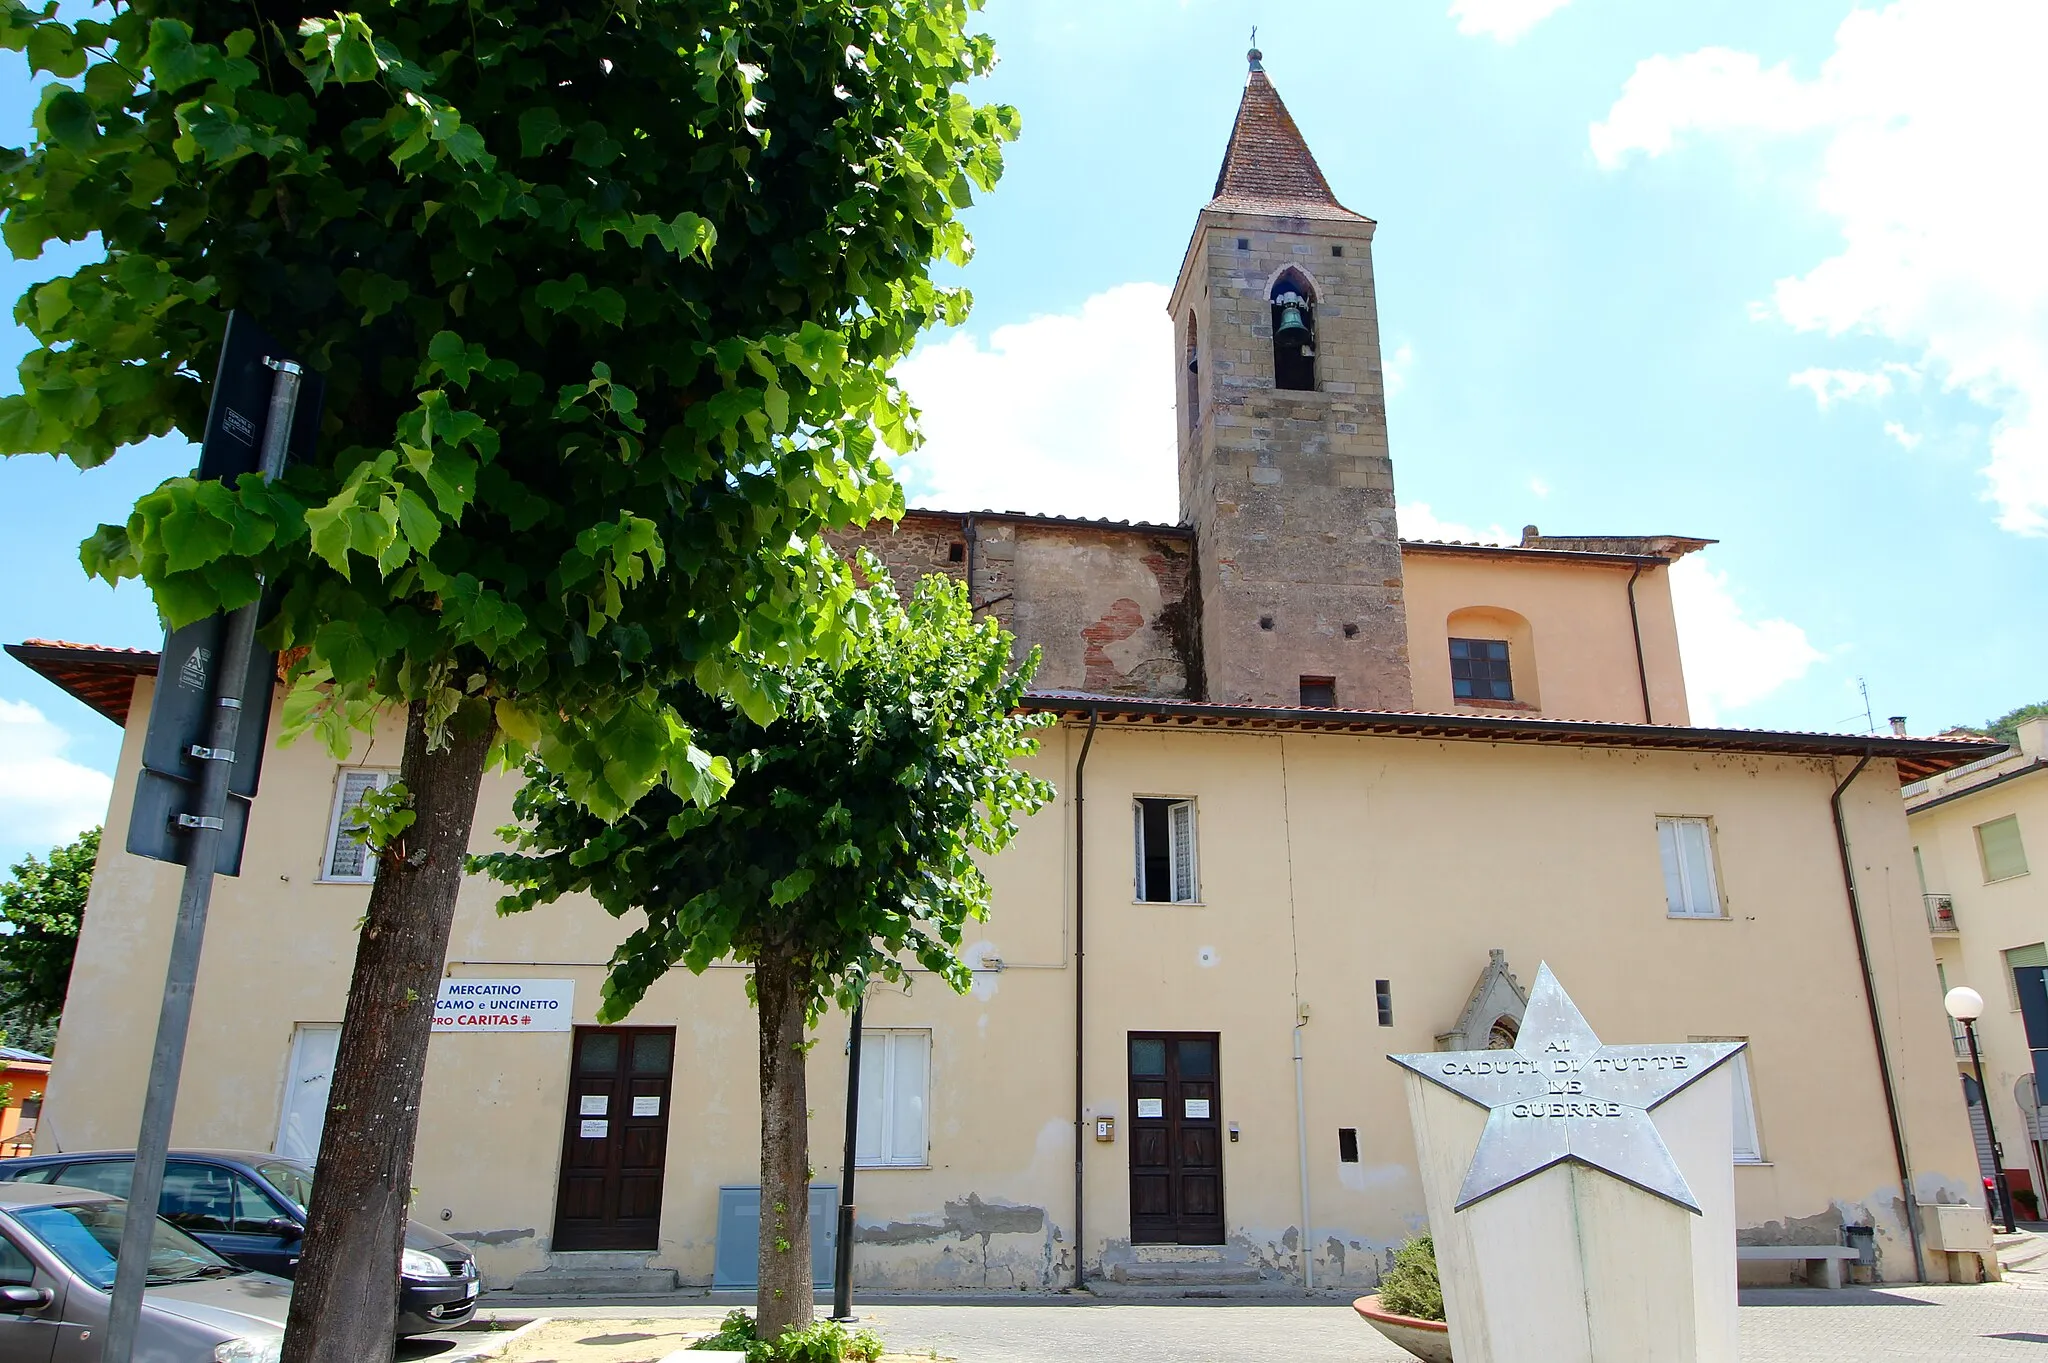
<point x="1941" y="913"/>
<point x="1962" y="1040"/>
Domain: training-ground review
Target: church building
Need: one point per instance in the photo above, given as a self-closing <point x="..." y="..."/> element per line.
<point x="1324" y="794"/>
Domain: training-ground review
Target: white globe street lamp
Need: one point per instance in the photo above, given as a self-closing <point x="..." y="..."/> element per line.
<point x="1966" y="1005"/>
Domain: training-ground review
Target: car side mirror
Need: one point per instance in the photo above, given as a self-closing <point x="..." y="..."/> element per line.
<point x="25" y="1298"/>
<point x="284" y="1228"/>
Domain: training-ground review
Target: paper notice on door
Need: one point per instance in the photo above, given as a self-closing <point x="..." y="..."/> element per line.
<point x="647" y="1107"/>
<point x="595" y="1130"/>
<point x="595" y="1105"/>
<point x="1198" y="1107"/>
<point x="1151" y="1107"/>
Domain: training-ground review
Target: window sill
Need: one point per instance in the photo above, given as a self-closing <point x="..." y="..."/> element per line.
<point x="1474" y="703"/>
<point x="1754" y="1164"/>
<point x="885" y="1168"/>
<point x="2016" y="875"/>
<point x="325" y="880"/>
<point x="1168" y="904"/>
<point x="1699" y="918"/>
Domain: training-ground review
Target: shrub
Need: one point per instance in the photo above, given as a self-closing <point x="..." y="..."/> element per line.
<point x="1410" y="1287"/>
<point x="822" y="1341"/>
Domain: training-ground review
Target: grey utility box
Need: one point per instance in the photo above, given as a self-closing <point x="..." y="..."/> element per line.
<point x="738" y="1262"/>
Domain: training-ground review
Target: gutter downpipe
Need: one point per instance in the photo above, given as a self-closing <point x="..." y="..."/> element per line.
<point x="1635" y="626"/>
<point x="1884" y="1067"/>
<point x="1308" y="1249"/>
<point x="1080" y="997"/>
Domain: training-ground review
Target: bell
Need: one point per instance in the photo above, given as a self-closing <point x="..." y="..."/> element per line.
<point x="1293" y="325"/>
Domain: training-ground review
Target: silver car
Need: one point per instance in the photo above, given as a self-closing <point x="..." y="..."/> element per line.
<point x="57" y="1251"/>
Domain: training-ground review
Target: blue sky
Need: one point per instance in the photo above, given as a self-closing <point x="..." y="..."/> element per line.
<point x="1767" y="274"/>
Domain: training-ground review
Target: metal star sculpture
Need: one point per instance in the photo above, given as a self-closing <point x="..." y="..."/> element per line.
<point x="1560" y="1095"/>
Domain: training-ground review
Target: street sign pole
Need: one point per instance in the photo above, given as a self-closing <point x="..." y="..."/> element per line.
<point x="204" y="826"/>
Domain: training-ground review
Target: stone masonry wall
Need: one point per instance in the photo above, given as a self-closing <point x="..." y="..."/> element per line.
<point x="1110" y="607"/>
<point x="1291" y="493"/>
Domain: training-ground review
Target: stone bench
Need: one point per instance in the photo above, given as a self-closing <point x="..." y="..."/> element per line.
<point x="1835" y="1257"/>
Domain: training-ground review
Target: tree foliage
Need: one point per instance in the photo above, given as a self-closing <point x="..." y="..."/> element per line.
<point x="849" y="839"/>
<point x="2006" y="728"/>
<point x="604" y="296"/>
<point x="43" y="907"/>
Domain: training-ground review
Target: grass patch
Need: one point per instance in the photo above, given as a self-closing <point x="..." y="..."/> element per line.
<point x="822" y="1341"/>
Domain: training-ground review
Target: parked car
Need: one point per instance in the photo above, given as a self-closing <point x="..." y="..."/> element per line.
<point x="57" y="1251"/>
<point x="251" y="1208"/>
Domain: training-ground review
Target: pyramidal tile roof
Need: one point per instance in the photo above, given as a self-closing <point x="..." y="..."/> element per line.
<point x="1268" y="168"/>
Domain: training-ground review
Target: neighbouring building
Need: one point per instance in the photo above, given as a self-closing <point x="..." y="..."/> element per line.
<point x="1323" y="795"/>
<point x="23" y="1077"/>
<point x="1974" y="829"/>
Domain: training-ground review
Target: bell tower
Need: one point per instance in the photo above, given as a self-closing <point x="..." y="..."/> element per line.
<point x="1284" y="468"/>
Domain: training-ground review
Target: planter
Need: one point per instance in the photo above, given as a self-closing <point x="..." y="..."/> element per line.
<point x="1429" y="1340"/>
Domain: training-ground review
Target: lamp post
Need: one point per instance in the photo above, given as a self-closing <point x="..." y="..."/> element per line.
<point x="1966" y="1005"/>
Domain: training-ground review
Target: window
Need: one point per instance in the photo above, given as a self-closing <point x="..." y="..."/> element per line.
<point x="1318" y="692"/>
<point x="1194" y="363"/>
<point x="1479" y="670"/>
<point x="1166" y="850"/>
<point x="1383" y="999"/>
<point x="1748" y="1148"/>
<point x="2033" y="957"/>
<point x="16" y="1268"/>
<point x="1347" y="1144"/>
<point x="32" y="1107"/>
<point x="347" y="860"/>
<point x="956" y="552"/>
<point x="1687" y="848"/>
<point x="100" y="1176"/>
<point x="1998" y="847"/>
<point x="1294" y="333"/>
<point x="895" y="1079"/>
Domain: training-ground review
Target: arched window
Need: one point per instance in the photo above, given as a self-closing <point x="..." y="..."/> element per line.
<point x="1194" y="359"/>
<point x="1501" y="1036"/>
<point x="1294" y="332"/>
<point x="1493" y="658"/>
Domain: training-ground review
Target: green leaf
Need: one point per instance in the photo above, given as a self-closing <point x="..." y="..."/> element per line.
<point x="539" y="129"/>
<point x="69" y="120"/>
<point x="418" y="522"/>
<point x="51" y="48"/>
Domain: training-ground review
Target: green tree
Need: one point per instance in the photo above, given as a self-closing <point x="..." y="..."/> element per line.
<point x="41" y="909"/>
<point x="846" y="848"/>
<point x="605" y="298"/>
<point x="2006" y="728"/>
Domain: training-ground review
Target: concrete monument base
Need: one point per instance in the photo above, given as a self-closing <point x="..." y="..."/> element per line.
<point x="1582" y="1196"/>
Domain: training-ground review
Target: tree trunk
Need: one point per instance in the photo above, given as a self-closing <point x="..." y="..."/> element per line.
<point x="784" y="1298"/>
<point x="345" y="1300"/>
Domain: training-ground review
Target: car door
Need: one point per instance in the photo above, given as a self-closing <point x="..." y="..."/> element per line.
<point x="27" y="1334"/>
<point x="261" y="1233"/>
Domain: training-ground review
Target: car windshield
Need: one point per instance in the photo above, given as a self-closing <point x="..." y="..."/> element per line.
<point x="295" y="1181"/>
<point x="88" y="1238"/>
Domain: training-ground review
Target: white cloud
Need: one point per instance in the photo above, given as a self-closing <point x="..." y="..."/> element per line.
<point x="1909" y="440"/>
<point x="1503" y="20"/>
<point x="45" y="799"/>
<point x="1418" y="522"/>
<point x="1539" y="487"/>
<point x="1397" y="369"/>
<point x="1070" y="413"/>
<point x="1931" y="118"/>
<point x="1830" y="386"/>
<point x="1731" y="660"/>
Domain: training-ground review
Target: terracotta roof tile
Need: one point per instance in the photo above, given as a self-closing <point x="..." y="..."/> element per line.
<point x="1268" y="168"/>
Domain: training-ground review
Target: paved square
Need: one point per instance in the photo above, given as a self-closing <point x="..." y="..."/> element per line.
<point x="1995" y="1323"/>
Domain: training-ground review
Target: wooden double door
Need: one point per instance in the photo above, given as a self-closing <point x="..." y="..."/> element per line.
<point x="1176" y="1139"/>
<point x="615" y="1138"/>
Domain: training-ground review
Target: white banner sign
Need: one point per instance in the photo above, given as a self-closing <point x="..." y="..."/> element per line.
<point x="505" y="1005"/>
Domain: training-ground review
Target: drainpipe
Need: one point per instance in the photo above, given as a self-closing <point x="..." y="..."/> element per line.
<point x="1884" y="1066"/>
<point x="1308" y="1250"/>
<point x="1635" y="626"/>
<point x="1080" y="997"/>
<point x="972" y="534"/>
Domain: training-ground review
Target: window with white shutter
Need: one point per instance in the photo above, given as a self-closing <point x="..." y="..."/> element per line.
<point x="1686" y="846"/>
<point x="1747" y="1145"/>
<point x="1166" y="865"/>
<point x="347" y="860"/>
<point x="895" y="1090"/>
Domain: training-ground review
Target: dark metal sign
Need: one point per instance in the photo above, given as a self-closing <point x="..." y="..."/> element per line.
<point x="173" y="751"/>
